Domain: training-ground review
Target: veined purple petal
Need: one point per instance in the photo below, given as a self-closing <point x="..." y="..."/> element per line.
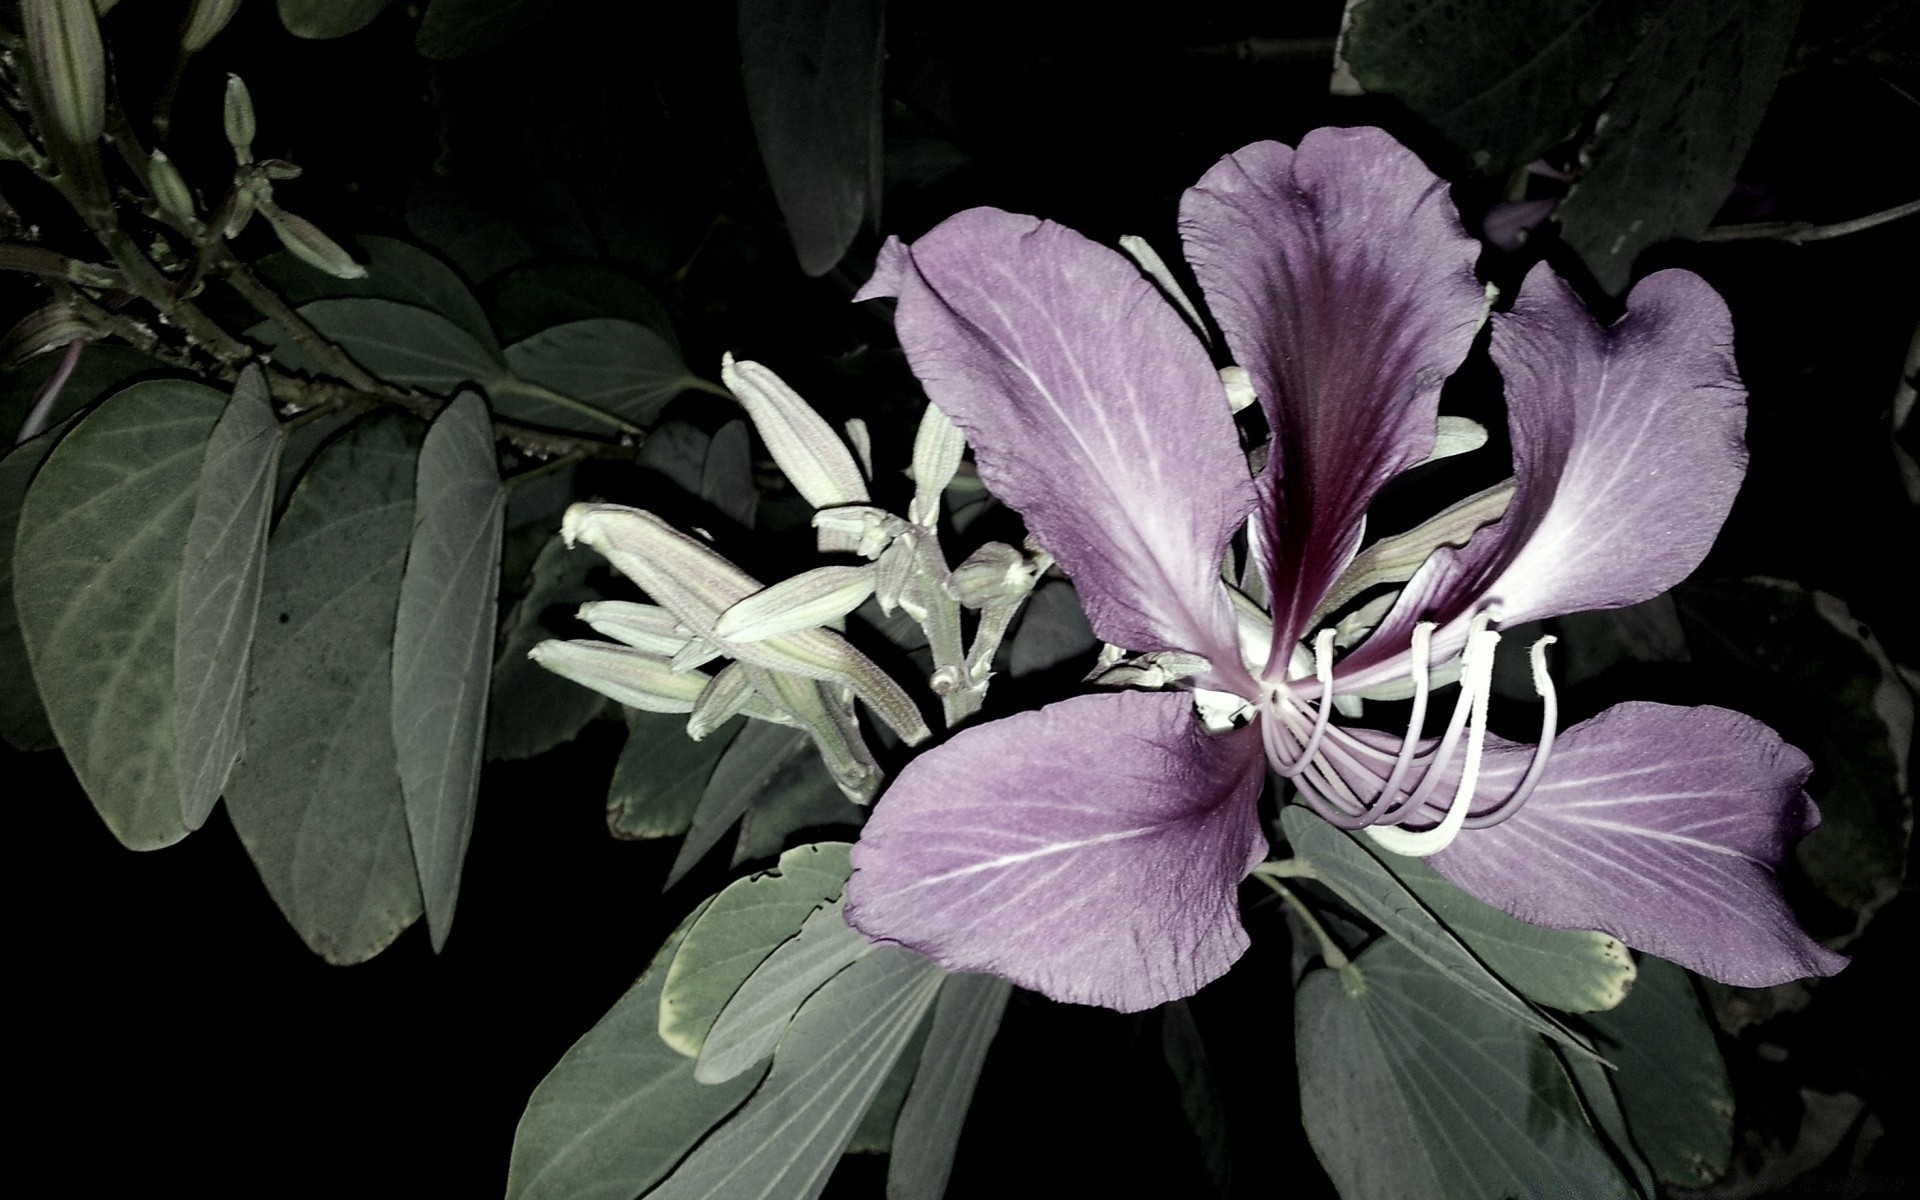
<point x="1092" y="409"/>
<point x="1344" y="283"/>
<point x="1628" y="447"/>
<point x="1091" y="850"/>
<point x="1662" y="826"/>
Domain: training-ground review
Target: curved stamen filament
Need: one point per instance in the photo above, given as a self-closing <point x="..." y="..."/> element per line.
<point x="1476" y="685"/>
<point x="1549" y="725"/>
<point x="1323" y="671"/>
<point x="1422" y="650"/>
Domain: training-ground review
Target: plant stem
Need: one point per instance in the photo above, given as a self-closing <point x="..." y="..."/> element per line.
<point x="1800" y="232"/>
<point x="1330" y="951"/>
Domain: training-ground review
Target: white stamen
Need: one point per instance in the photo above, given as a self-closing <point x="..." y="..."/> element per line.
<point x="1476" y="687"/>
<point x="1549" y="727"/>
<point x="1422" y="651"/>
<point x="1323" y="671"/>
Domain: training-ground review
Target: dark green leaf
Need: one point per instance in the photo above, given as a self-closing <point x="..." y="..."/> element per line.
<point x="1415" y="1088"/>
<point x="1053" y="629"/>
<point x="1359" y="879"/>
<point x="102" y="368"/>
<point x="23" y="720"/>
<point x="1594" y="1081"/>
<point x="832" y="1062"/>
<point x="456" y="28"/>
<point x="396" y="270"/>
<point x="726" y="478"/>
<point x="620" y="1109"/>
<point x="528" y="299"/>
<point x="802" y="795"/>
<point x="1677" y="128"/>
<point x="965" y="1018"/>
<point x="96" y="583"/>
<point x="1571" y="970"/>
<point x="744" y="924"/>
<point x="443" y="646"/>
<point x="533" y="709"/>
<point x="593" y="376"/>
<point x="661" y="774"/>
<point x="224" y="562"/>
<point x="1503" y="81"/>
<point x="1671" y="1080"/>
<point x="1186" y="1056"/>
<point x="762" y="753"/>
<point x="874" y="1134"/>
<point x="812" y="72"/>
<point x="328" y="18"/>
<point x="316" y="797"/>
<point x="751" y="1023"/>
<point x="400" y="343"/>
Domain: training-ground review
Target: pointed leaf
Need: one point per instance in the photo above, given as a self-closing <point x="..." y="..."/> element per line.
<point x="533" y="709"/>
<point x="316" y="797"/>
<point x="745" y="923"/>
<point x="220" y="577"/>
<point x="750" y="1025"/>
<point x="661" y="775"/>
<point x="830" y="1065"/>
<point x="802" y="795"/>
<point x="96" y="574"/>
<point x="751" y="763"/>
<point x="621" y="1108"/>
<point x="400" y="343"/>
<point x="965" y="1018"/>
<point x="1414" y="1088"/>
<point x="617" y="370"/>
<point x="528" y="299"/>
<point x="443" y="646"/>
<point x="398" y="271"/>
<point x="23" y="719"/>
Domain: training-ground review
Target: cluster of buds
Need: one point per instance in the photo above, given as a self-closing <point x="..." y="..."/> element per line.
<point x="789" y="662"/>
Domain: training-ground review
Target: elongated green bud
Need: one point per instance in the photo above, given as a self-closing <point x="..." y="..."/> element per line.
<point x="633" y="677"/>
<point x="856" y="529"/>
<point x="63" y="40"/>
<point x="209" y="17"/>
<point x="720" y="701"/>
<point x="807" y="601"/>
<point x="237" y="113"/>
<point x="170" y="190"/>
<point x="645" y="627"/>
<point x="310" y="245"/>
<point x="937" y="448"/>
<point x="814" y="458"/>
<point x="994" y="572"/>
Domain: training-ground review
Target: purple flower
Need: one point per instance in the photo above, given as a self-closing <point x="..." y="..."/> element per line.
<point x="1092" y="850"/>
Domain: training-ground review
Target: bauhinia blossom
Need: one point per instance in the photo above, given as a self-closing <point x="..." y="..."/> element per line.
<point x="1092" y="849"/>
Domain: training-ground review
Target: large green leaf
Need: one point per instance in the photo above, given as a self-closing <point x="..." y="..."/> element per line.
<point x="455" y="28"/>
<point x="443" y="646"/>
<point x="1186" y="1056"/>
<point x="1359" y="879"/>
<point x="965" y="1018"/>
<point x="533" y="709"/>
<point x="102" y="368"/>
<point x="1677" y="128"/>
<point x="1415" y="1088"/>
<point x="400" y="343"/>
<point x="812" y="73"/>
<point x="23" y="719"/>
<point x="661" y="774"/>
<point x="396" y="270"/>
<point x="759" y="756"/>
<point x="96" y="583"/>
<point x="1571" y="970"/>
<point x="744" y="925"/>
<point x="328" y="18"/>
<point x="1503" y="81"/>
<point x="830" y="1065"/>
<point x="874" y="1134"/>
<point x="620" y="1109"/>
<point x="224" y="563"/>
<point x="528" y="299"/>
<point x="1671" y="1080"/>
<point x="801" y="795"/>
<point x="316" y="797"/>
<point x="751" y="1023"/>
<point x="594" y="375"/>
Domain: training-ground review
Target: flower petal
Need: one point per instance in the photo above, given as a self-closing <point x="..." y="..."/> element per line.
<point x="1344" y="283"/>
<point x="1092" y="409"/>
<point x="1091" y="850"/>
<point x="1662" y="826"/>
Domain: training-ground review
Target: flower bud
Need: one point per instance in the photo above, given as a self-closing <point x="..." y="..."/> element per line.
<point x="311" y="246"/>
<point x="856" y="529"/>
<point x="645" y="627"/>
<point x="238" y="116"/>
<point x="937" y="448"/>
<point x="63" y="40"/>
<point x="994" y="572"/>
<point x="807" y="601"/>
<point x="209" y="17"/>
<point x="633" y="677"/>
<point x="800" y="440"/>
<point x="720" y="701"/>
<point x="170" y="191"/>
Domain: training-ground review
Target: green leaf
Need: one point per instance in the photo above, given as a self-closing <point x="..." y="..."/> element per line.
<point x="1671" y="1080"/>
<point x="874" y="1134"/>
<point x="1053" y="629"/>
<point x="400" y="343"/>
<point x="1414" y="1088"/>
<point x="1359" y="879"/>
<point x="398" y="271"/>
<point x="621" y="1107"/>
<point x="751" y="1023"/>
<point x="965" y="1019"/>
<point x="328" y="18"/>
<point x="592" y="376"/>
<point x="802" y="795"/>
<point x="102" y="369"/>
<point x="316" y="797"/>
<point x="812" y="73"/>
<point x="1571" y="970"/>
<point x="23" y="720"/>
<point x="661" y="774"/>
<point x="1186" y="1055"/>
<point x="96" y="582"/>
<point x="744" y="925"/>
<point x="443" y="646"/>
<point x="828" y="1069"/>
<point x="533" y="709"/>
<point x="224" y="562"/>
<point x="726" y="477"/>
<point x="1776" y="644"/>
<point x="1677" y="128"/>
<point x="1503" y="81"/>
<point x="456" y="28"/>
<point x="756" y="759"/>
<point x="528" y="299"/>
<point x="1594" y="1081"/>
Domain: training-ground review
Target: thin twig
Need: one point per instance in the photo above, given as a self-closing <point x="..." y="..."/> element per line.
<point x="1800" y="232"/>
